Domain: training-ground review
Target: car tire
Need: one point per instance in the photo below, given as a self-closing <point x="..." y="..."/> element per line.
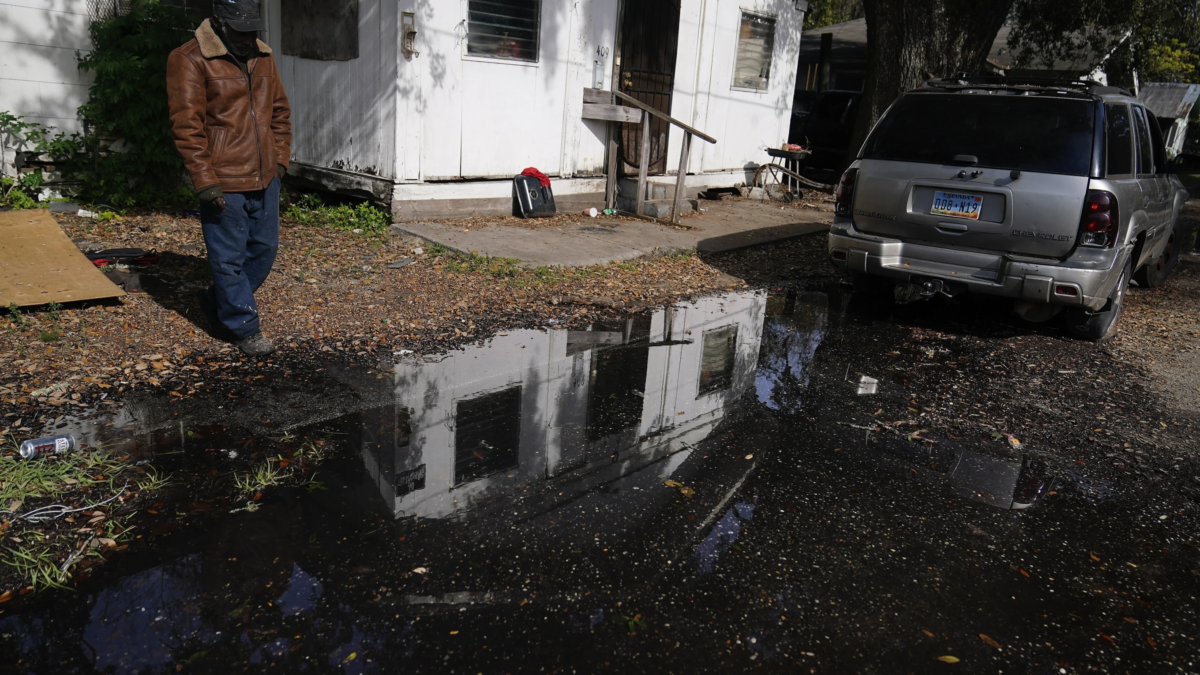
<point x="1154" y="273"/>
<point x="1101" y="325"/>
<point x="875" y="288"/>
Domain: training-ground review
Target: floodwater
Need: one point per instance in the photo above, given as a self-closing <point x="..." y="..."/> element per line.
<point x="506" y="508"/>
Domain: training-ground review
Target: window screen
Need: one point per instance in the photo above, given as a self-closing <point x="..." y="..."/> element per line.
<point x="716" y="362"/>
<point x="1145" y="159"/>
<point x="504" y="29"/>
<point x="1120" y="141"/>
<point x="487" y="434"/>
<point x="756" y="41"/>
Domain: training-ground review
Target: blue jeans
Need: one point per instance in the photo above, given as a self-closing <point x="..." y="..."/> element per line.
<point x="242" y="241"/>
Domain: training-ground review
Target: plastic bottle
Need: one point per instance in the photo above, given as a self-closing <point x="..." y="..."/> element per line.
<point x="50" y="445"/>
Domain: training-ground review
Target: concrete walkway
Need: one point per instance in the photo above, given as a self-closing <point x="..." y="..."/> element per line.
<point x="722" y="226"/>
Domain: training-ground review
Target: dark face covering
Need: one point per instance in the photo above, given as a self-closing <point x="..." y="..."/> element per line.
<point x="238" y="44"/>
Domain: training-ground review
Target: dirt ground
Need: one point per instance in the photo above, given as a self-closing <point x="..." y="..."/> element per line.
<point x="330" y="292"/>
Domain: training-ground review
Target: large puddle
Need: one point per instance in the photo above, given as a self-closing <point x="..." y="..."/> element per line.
<point x="569" y="500"/>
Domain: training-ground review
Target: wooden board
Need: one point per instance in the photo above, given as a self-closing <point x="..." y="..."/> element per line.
<point x="611" y="113"/>
<point x="39" y="264"/>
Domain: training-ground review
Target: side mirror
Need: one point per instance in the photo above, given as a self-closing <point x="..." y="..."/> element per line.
<point x="1185" y="163"/>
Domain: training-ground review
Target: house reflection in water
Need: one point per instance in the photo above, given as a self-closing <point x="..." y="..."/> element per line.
<point x="588" y="406"/>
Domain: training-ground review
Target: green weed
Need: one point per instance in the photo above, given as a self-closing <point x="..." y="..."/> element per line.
<point x="264" y="476"/>
<point x="49" y="336"/>
<point x="312" y="211"/>
<point x="14" y="313"/>
<point x="35" y="563"/>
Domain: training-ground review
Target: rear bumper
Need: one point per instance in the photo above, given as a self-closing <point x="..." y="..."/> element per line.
<point x="1086" y="279"/>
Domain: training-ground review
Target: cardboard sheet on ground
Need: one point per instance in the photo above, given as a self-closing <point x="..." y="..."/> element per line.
<point x="39" y="264"/>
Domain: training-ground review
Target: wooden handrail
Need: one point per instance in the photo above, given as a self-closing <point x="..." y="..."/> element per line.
<point x="661" y="115"/>
<point x="599" y="98"/>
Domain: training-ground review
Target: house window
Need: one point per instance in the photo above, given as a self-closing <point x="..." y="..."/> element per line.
<point x="719" y="349"/>
<point x="756" y="41"/>
<point x="322" y="30"/>
<point x="487" y="434"/>
<point x="504" y="29"/>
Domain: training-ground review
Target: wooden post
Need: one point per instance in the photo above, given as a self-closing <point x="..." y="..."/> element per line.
<point x="683" y="164"/>
<point x="643" y="165"/>
<point x="610" y="191"/>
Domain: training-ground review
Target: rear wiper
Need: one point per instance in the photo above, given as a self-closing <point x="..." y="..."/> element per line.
<point x="966" y="160"/>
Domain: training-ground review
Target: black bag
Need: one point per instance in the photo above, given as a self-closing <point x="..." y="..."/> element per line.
<point x="530" y="199"/>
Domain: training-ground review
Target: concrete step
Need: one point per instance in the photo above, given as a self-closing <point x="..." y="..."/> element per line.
<point x="658" y="187"/>
<point x="658" y="208"/>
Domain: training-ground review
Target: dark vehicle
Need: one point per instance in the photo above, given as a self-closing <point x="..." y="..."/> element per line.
<point x="825" y="127"/>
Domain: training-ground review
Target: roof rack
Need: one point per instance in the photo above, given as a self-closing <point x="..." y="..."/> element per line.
<point x="964" y="81"/>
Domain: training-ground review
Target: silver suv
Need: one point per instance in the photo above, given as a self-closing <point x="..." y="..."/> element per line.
<point x="1055" y="196"/>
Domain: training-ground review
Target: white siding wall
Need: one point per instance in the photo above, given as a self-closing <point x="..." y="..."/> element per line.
<point x="343" y="112"/>
<point x="39" y="73"/>
<point x="490" y="118"/>
<point x="744" y="123"/>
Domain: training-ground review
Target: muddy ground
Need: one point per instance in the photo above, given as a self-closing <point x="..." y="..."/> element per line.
<point x="1109" y="553"/>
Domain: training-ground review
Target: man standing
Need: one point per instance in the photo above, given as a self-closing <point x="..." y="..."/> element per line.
<point x="232" y="126"/>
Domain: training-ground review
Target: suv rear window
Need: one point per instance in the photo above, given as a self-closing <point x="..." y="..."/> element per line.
<point x="1045" y="135"/>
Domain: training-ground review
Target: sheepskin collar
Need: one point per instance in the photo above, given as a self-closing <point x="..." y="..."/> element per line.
<point x="211" y="46"/>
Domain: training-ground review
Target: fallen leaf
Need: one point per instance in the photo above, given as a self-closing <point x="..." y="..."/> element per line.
<point x="749" y="456"/>
<point x="1025" y="573"/>
<point x="1108" y="638"/>
<point x="350" y="658"/>
<point x="1130" y="619"/>
<point x="1095" y="557"/>
<point x="989" y="641"/>
<point x="107" y="542"/>
<point x="926" y="632"/>
<point x="1152" y="642"/>
<point x="454" y="632"/>
<point x="948" y="659"/>
<point x="421" y="570"/>
<point x="6" y="596"/>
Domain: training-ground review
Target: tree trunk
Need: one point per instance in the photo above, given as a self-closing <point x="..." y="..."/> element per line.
<point x="911" y="41"/>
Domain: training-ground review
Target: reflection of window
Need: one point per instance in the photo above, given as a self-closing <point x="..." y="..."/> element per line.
<point x="716" y="361"/>
<point x="756" y="41"/>
<point x="504" y="29"/>
<point x="487" y="434"/>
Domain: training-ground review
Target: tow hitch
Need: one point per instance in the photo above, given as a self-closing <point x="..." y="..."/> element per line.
<point x="922" y="289"/>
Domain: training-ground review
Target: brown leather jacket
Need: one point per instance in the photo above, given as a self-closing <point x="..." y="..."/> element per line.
<point x="227" y="136"/>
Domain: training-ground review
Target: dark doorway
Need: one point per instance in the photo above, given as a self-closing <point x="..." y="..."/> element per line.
<point x="649" y="42"/>
<point x="618" y="380"/>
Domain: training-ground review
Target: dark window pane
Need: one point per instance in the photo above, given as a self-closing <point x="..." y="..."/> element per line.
<point x="716" y="361"/>
<point x="504" y="29"/>
<point x="1047" y="135"/>
<point x="323" y="30"/>
<point x="487" y="434"/>
<point x="756" y="42"/>
<point x="618" y="378"/>
<point x="1145" y="160"/>
<point x="1120" y="141"/>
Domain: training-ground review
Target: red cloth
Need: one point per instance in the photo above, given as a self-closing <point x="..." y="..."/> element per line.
<point x="534" y="173"/>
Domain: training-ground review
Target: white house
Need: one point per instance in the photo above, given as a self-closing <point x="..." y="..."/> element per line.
<point x="434" y="105"/>
<point x="590" y="406"/>
<point x="40" y="45"/>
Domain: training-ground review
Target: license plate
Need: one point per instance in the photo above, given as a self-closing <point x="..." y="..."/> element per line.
<point x="957" y="205"/>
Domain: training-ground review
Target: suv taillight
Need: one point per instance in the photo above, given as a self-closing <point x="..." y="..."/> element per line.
<point x="844" y="194"/>
<point x="1098" y="226"/>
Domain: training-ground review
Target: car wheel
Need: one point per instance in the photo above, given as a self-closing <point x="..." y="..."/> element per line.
<point x="1101" y="325"/>
<point x="1155" y="272"/>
